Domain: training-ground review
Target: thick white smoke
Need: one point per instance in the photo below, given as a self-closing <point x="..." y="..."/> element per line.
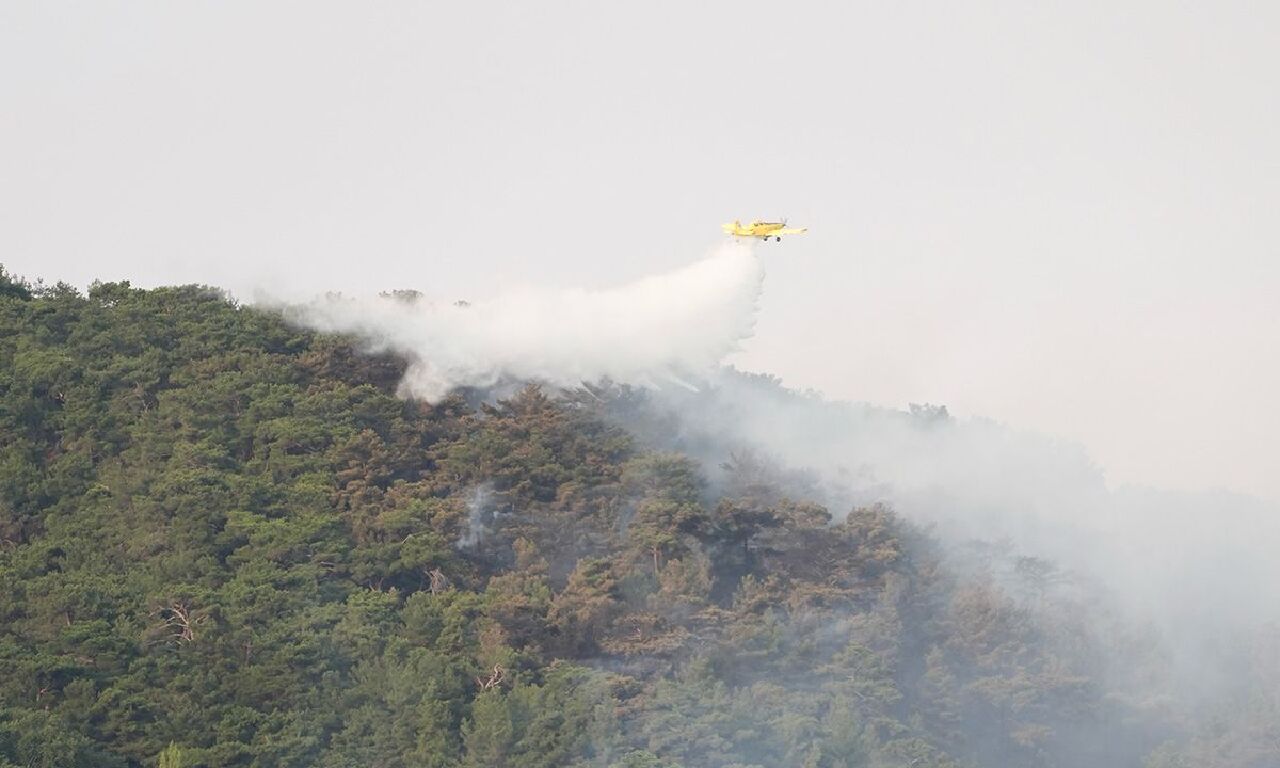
<point x="670" y="328"/>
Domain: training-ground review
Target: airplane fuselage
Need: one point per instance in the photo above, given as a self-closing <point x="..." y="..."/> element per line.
<point x="761" y="229"/>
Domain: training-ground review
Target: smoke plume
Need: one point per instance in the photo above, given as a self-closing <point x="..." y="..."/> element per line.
<point x="1196" y="569"/>
<point x="663" y="329"/>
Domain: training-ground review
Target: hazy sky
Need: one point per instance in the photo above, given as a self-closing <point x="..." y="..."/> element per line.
<point x="1062" y="216"/>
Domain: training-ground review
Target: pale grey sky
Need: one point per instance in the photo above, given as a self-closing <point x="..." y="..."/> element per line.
<point x="1061" y="216"/>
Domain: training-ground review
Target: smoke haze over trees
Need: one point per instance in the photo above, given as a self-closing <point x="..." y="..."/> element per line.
<point x="227" y="541"/>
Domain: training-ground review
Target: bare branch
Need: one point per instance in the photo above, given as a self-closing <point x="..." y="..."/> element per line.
<point x="439" y="582"/>
<point x="496" y="678"/>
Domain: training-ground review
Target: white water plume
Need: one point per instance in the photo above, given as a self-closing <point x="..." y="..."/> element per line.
<point x="668" y="328"/>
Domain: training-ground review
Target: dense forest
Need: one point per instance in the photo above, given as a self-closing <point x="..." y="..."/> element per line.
<point x="225" y="541"/>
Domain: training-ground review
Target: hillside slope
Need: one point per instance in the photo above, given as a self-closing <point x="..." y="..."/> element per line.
<point x="227" y="543"/>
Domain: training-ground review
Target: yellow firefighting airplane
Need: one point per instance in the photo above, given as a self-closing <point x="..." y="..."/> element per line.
<point x="762" y="229"/>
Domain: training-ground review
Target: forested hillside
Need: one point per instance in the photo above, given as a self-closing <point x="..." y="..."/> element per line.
<point x="226" y="542"/>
